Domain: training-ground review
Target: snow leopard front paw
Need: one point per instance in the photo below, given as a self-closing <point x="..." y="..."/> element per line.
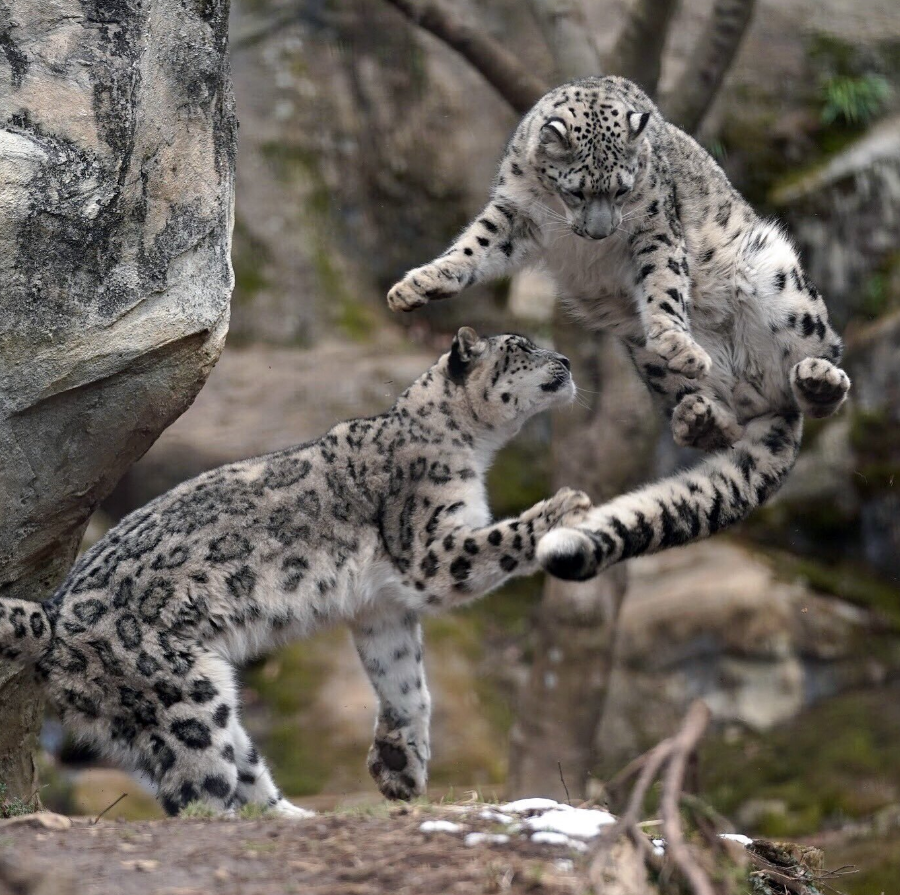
<point x="396" y="767"/>
<point x="699" y="422"/>
<point x="419" y="286"/>
<point x="819" y="386"/>
<point x="680" y="352"/>
<point x="567" y="504"/>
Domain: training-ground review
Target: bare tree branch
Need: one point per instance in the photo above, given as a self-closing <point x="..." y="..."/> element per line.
<point x="673" y="755"/>
<point x="499" y="67"/>
<point x="575" y="52"/>
<point x="639" y="48"/>
<point x="683" y="746"/>
<point x="716" y="48"/>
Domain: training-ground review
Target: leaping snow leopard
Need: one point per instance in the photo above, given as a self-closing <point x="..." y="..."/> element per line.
<point x="377" y="522"/>
<point x="647" y="238"/>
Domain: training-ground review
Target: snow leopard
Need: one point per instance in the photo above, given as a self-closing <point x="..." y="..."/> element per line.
<point x="647" y="239"/>
<point x="375" y="524"/>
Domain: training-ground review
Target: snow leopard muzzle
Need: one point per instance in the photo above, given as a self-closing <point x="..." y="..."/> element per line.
<point x="599" y="218"/>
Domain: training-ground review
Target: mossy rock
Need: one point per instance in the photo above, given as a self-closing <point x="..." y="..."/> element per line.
<point x="834" y="762"/>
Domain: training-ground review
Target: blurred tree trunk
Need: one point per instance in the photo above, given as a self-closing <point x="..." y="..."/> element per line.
<point x="603" y="445"/>
<point x="572" y="45"/>
<point x="716" y="48"/>
<point x="602" y="448"/>
<point x="116" y="199"/>
<point x="637" y="54"/>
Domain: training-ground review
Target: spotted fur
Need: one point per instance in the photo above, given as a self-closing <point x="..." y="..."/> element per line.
<point x="648" y="239"/>
<point x="377" y="522"/>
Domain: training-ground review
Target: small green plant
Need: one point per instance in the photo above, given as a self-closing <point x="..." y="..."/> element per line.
<point x="197" y="809"/>
<point x="252" y="811"/>
<point x="13" y="806"/>
<point x="854" y="100"/>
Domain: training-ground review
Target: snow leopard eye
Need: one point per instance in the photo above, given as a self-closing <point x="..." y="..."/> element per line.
<point x="572" y="197"/>
<point x="621" y="191"/>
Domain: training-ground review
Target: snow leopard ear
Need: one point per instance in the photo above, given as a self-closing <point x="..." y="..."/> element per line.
<point x="466" y="347"/>
<point x="637" y="121"/>
<point x="554" y="137"/>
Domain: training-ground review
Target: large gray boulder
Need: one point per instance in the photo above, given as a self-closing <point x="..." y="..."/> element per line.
<point x="845" y="216"/>
<point x="117" y="145"/>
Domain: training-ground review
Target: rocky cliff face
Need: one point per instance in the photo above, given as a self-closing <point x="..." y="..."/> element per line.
<point x="845" y="215"/>
<point x="117" y="149"/>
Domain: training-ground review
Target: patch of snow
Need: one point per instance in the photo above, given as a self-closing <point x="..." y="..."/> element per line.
<point x="496" y="816"/>
<point x="545" y="837"/>
<point x="439" y="826"/>
<point x="486" y="839"/>
<point x="523" y="806"/>
<point x="584" y="823"/>
<point x="737" y="837"/>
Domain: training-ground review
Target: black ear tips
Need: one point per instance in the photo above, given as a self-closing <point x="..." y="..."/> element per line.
<point x="461" y="352"/>
<point x="466" y="338"/>
<point x="637" y="121"/>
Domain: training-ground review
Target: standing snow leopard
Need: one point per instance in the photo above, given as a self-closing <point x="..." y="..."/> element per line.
<point x="377" y="522"/>
<point x="647" y="239"/>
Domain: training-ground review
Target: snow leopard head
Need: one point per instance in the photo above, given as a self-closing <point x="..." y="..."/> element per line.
<point x="507" y="378"/>
<point x="587" y="152"/>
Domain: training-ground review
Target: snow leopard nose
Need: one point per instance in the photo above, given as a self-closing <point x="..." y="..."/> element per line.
<point x="598" y="218"/>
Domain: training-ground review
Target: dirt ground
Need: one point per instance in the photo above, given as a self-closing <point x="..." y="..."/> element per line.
<point x="348" y="853"/>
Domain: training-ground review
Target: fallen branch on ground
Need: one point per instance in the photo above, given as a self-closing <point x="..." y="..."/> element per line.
<point x="666" y="761"/>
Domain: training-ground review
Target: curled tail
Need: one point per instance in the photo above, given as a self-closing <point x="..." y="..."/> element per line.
<point x="686" y="507"/>
<point x="25" y="631"/>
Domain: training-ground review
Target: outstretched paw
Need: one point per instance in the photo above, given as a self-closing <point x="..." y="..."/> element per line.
<point x="567" y="504"/>
<point x="819" y="386"/>
<point x="701" y="423"/>
<point x="568" y="553"/>
<point x="680" y="352"/>
<point x="419" y="286"/>
<point x="396" y="767"/>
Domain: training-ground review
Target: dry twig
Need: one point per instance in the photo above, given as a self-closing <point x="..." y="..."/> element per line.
<point x="668" y="759"/>
<point x="683" y="745"/>
<point x="108" y="808"/>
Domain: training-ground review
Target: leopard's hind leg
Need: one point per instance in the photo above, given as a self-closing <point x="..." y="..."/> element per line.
<point x="700" y="421"/>
<point x="698" y="418"/>
<point x="819" y="386"/>
<point x="255" y="785"/>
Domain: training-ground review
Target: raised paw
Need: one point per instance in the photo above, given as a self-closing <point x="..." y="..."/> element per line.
<point x="396" y="767"/>
<point x="567" y="504"/>
<point x="700" y="423"/>
<point x="680" y="352"/>
<point x="819" y="386"/>
<point x="422" y="285"/>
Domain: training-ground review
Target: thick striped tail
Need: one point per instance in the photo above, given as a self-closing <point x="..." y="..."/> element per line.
<point x="25" y="631"/>
<point x="687" y="507"/>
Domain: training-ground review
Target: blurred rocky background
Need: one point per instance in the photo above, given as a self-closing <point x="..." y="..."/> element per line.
<point x="365" y="144"/>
